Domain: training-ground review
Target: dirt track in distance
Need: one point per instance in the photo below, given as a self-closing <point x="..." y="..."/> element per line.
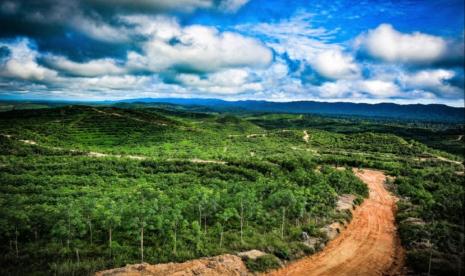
<point x="369" y="245"/>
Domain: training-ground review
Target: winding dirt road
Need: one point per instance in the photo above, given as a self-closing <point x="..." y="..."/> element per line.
<point x="369" y="245"/>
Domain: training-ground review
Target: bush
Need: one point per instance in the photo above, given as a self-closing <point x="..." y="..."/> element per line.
<point x="441" y="264"/>
<point x="282" y="252"/>
<point x="358" y="200"/>
<point x="263" y="263"/>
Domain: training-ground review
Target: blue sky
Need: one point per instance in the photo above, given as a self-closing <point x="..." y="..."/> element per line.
<point x="358" y="51"/>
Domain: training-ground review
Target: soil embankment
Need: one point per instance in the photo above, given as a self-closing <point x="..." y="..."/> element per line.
<point x="220" y="265"/>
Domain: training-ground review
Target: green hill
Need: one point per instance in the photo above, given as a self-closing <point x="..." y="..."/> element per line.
<point x="87" y="181"/>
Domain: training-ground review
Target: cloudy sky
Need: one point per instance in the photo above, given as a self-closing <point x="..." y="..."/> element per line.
<point x="360" y="51"/>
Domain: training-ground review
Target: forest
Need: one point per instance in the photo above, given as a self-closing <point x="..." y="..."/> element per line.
<point x="84" y="188"/>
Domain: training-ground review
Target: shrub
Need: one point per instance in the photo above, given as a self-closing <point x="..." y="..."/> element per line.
<point x="263" y="263"/>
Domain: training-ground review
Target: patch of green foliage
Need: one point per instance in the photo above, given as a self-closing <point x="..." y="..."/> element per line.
<point x="263" y="263"/>
<point x="191" y="184"/>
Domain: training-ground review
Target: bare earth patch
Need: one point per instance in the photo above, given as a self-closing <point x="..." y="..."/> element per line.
<point x="306" y="137"/>
<point x="220" y="265"/>
<point x="345" y="202"/>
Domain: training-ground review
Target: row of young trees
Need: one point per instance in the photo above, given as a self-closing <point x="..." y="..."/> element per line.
<point x="121" y="211"/>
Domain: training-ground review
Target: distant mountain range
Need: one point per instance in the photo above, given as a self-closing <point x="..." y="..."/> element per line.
<point x="420" y="112"/>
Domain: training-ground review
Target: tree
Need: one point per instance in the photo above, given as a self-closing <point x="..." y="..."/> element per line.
<point x="284" y="200"/>
<point x="142" y="208"/>
<point x="88" y="205"/>
<point x="246" y="200"/>
<point x="109" y="213"/>
<point x="14" y="219"/>
<point x="224" y="217"/>
<point x="173" y="219"/>
<point x="205" y="199"/>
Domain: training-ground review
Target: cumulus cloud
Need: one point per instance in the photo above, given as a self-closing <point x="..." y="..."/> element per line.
<point x="378" y="88"/>
<point x="231" y="81"/>
<point x="196" y="57"/>
<point x="194" y="48"/>
<point x="435" y="81"/>
<point x="372" y="88"/>
<point x="99" y="29"/>
<point x="390" y="45"/>
<point x="96" y="67"/>
<point x="94" y="18"/>
<point x="110" y="83"/>
<point x="333" y="64"/>
<point x="21" y="63"/>
<point x="126" y="49"/>
<point x="428" y="78"/>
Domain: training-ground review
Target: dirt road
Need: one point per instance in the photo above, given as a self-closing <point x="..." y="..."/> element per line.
<point x="306" y="136"/>
<point x="369" y="245"/>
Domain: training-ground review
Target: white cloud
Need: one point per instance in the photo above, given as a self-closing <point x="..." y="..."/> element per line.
<point x="99" y="30"/>
<point x="193" y="48"/>
<point x="231" y="81"/>
<point x="300" y="41"/>
<point x="339" y="89"/>
<point x="434" y="81"/>
<point x="294" y="36"/>
<point x="344" y="89"/>
<point x="232" y="5"/>
<point x="22" y="63"/>
<point x="96" y="67"/>
<point x="378" y="88"/>
<point x="428" y="78"/>
<point x="390" y="45"/>
<point x="333" y="64"/>
<point x="204" y="61"/>
<point x="126" y="82"/>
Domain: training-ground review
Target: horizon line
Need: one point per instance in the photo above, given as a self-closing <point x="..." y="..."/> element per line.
<point x="218" y="99"/>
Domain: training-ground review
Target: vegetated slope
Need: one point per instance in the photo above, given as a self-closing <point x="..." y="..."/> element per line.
<point x="432" y="112"/>
<point x="65" y="212"/>
<point x="441" y="136"/>
<point x="430" y="218"/>
<point x="369" y="245"/>
<point x="114" y="130"/>
<point x="88" y="127"/>
<point x="58" y="204"/>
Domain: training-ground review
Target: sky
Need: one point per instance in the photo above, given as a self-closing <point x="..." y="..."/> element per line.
<point x="346" y="51"/>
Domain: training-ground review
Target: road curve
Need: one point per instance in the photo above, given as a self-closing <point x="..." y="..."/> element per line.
<point x="369" y="245"/>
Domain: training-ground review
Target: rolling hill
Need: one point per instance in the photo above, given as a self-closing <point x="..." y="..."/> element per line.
<point x="420" y="112"/>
